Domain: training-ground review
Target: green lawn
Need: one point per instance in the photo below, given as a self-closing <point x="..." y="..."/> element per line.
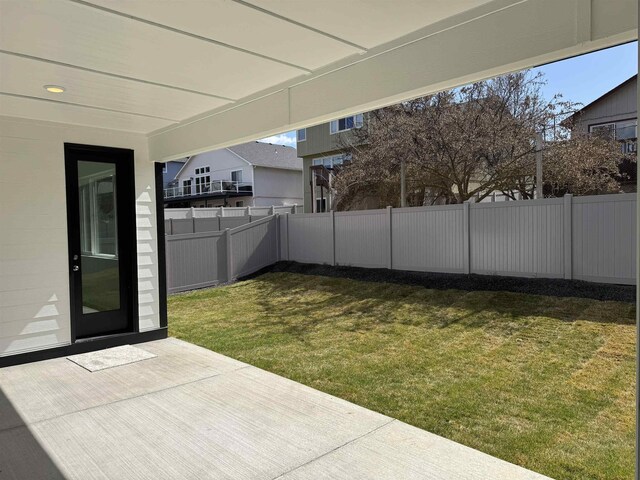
<point x="544" y="382"/>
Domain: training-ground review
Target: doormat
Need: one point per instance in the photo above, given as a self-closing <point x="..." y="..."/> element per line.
<point x="110" y="357"/>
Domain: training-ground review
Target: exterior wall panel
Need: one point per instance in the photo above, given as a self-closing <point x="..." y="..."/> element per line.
<point x="34" y="264"/>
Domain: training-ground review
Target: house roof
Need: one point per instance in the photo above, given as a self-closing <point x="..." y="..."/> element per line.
<point x="268" y="155"/>
<point x="600" y="98"/>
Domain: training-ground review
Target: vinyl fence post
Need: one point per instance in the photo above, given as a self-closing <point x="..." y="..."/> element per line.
<point x="277" y="223"/>
<point x="287" y="234"/>
<point x="389" y="240"/>
<point x="333" y="238"/>
<point x="229" y="252"/>
<point x="567" y="236"/>
<point x="271" y="210"/>
<point x="193" y="212"/>
<point x="466" y="240"/>
<point x="169" y="271"/>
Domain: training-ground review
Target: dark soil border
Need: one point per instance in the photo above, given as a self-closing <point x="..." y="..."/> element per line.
<point x="446" y="281"/>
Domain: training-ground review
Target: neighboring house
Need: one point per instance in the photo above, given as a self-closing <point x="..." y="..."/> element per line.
<point x="319" y="146"/>
<point x="251" y="174"/>
<point x="170" y="170"/>
<point x="614" y="114"/>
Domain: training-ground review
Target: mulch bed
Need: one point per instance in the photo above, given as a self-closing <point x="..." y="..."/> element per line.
<point x="445" y="281"/>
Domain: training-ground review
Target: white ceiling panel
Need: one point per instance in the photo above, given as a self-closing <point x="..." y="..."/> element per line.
<point x="27" y="77"/>
<point x="81" y="35"/>
<point x="59" y="112"/>
<point x="367" y="22"/>
<point x="240" y="26"/>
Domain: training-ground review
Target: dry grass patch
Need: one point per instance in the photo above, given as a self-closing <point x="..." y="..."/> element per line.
<point x="544" y="382"/>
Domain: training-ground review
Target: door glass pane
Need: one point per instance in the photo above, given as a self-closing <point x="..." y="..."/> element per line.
<point x="98" y="237"/>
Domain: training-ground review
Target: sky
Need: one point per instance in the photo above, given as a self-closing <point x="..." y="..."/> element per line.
<point x="579" y="79"/>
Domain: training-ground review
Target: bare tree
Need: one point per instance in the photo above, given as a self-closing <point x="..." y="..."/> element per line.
<point x="583" y="164"/>
<point x="467" y="143"/>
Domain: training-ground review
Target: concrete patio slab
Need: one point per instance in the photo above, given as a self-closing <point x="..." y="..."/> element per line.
<point x="56" y="387"/>
<point x="190" y="413"/>
<point x="398" y="450"/>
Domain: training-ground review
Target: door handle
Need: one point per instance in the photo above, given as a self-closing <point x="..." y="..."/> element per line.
<point x="76" y="268"/>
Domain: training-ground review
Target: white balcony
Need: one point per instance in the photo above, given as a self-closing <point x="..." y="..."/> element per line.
<point x="216" y="187"/>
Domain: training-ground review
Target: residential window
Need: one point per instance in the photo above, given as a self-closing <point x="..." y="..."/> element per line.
<point x="627" y="130"/>
<point x="301" y="134"/>
<point x="186" y="187"/>
<point x="321" y="205"/>
<point x="203" y="179"/>
<point x="236" y="176"/>
<point x="607" y="130"/>
<point x="346" y="123"/>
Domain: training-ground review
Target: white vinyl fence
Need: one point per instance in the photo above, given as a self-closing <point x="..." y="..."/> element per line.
<point x="197" y="260"/>
<point x="193" y="212"/>
<point x="197" y="220"/>
<point x="584" y="238"/>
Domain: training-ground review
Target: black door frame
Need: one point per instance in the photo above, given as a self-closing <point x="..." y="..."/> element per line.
<point x="126" y="208"/>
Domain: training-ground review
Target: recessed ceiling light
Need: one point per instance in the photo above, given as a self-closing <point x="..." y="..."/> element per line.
<point x="54" y="88"/>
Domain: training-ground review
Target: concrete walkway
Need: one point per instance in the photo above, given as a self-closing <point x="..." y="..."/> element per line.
<point x="190" y="413"/>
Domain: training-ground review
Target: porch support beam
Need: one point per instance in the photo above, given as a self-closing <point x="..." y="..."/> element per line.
<point x="499" y="37"/>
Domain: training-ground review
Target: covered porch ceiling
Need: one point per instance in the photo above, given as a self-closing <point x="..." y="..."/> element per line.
<point x="196" y="75"/>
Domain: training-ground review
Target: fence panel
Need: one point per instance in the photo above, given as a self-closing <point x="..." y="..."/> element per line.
<point x="210" y="224"/>
<point x="428" y="239"/>
<point x="207" y="212"/>
<point x="177" y="213"/>
<point x="604" y="238"/>
<point x="260" y="211"/>
<point x="234" y="211"/>
<point x="523" y="238"/>
<point x="254" y="246"/>
<point x="362" y="238"/>
<point x="233" y="222"/>
<point x="310" y="238"/>
<point x="195" y="260"/>
<point x="182" y="225"/>
<point x="282" y="209"/>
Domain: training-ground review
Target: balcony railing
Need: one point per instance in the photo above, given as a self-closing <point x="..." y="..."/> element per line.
<point x="214" y="187"/>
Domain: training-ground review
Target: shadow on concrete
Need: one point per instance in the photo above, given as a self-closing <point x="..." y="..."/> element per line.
<point x="21" y="455"/>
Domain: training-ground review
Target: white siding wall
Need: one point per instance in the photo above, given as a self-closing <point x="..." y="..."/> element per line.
<point x="34" y="284"/>
<point x="222" y="163"/>
<point x="276" y="186"/>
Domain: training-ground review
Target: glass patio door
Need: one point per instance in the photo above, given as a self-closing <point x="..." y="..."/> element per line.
<point x="100" y="200"/>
